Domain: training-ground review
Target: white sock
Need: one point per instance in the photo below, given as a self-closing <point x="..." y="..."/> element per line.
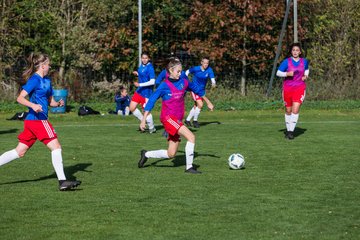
<point x="189" y="152"/>
<point x="197" y="113"/>
<point x="138" y="114"/>
<point x="8" y="156"/>
<point x="287" y="121"/>
<point x="150" y="121"/>
<point x="191" y="114"/>
<point x="157" y="154"/>
<point x="293" y="121"/>
<point x="57" y="162"/>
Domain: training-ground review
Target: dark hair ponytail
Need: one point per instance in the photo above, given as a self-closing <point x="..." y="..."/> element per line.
<point x="34" y="61"/>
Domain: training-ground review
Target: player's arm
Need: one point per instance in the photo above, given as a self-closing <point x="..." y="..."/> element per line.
<point x="306" y="73"/>
<point x="150" y="105"/>
<point x="212" y="78"/>
<point x="208" y="103"/>
<point x="54" y="103"/>
<point x="282" y="70"/>
<point x="151" y="82"/>
<point x="28" y="88"/>
<point x="160" y="78"/>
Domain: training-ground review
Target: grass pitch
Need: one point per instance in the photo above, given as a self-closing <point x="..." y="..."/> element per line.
<point x="307" y="188"/>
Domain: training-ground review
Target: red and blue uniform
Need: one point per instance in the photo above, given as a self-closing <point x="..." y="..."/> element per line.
<point x="145" y="73"/>
<point x="200" y="78"/>
<point x="36" y="124"/>
<point x="294" y="87"/>
<point x="172" y="93"/>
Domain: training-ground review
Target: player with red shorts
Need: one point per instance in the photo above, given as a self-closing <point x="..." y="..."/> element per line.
<point x="36" y="125"/>
<point x="145" y="84"/>
<point x="295" y="70"/>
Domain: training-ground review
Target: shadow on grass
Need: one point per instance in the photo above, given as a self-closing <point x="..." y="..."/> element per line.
<point x="178" y="160"/>
<point x="207" y="123"/>
<point x="297" y="132"/>
<point x="14" y="130"/>
<point x="69" y="173"/>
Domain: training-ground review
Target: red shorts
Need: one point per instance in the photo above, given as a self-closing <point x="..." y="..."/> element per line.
<point x="196" y="97"/>
<point x="172" y="126"/>
<point x="37" y="129"/>
<point x="139" y="99"/>
<point x="291" y="95"/>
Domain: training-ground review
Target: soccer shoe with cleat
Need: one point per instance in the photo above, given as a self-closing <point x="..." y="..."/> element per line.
<point x="152" y="130"/>
<point x="192" y="170"/>
<point x="188" y="123"/>
<point x="196" y="124"/>
<point x="289" y="135"/>
<point x="143" y="159"/>
<point x="68" y="185"/>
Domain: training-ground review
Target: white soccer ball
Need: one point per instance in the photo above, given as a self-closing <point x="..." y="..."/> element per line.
<point x="236" y="161"/>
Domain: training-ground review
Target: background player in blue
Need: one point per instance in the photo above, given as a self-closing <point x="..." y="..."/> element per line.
<point x="145" y="85"/>
<point x="122" y="100"/>
<point x="36" y="125"/>
<point x="200" y="74"/>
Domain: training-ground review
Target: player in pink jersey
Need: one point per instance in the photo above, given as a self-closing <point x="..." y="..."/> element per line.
<point x="295" y="70"/>
<point x="172" y="91"/>
<point x="36" y="125"/>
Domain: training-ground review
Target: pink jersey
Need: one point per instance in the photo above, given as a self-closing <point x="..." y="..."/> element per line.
<point x="296" y="80"/>
<point x="175" y="106"/>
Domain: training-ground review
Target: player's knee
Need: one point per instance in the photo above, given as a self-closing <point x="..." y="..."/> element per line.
<point x="21" y="153"/>
<point x="171" y="154"/>
<point x="191" y="138"/>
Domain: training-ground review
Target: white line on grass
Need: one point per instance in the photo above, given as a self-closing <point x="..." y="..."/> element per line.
<point x="222" y="123"/>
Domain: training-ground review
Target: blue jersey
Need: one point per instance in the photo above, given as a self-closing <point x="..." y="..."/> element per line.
<point x="121" y="102"/>
<point x="40" y="91"/>
<point x="161" y="77"/>
<point x="284" y="64"/>
<point x="164" y="92"/>
<point x="145" y="73"/>
<point x="200" y="77"/>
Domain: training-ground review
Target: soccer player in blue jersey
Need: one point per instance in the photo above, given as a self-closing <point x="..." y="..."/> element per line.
<point x="36" y="125"/>
<point x="200" y="74"/>
<point x="294" y="70"/>
<point x="145" y="84"/>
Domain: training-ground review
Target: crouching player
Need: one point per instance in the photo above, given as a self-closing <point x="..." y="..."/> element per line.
<point x="172" y="91"/>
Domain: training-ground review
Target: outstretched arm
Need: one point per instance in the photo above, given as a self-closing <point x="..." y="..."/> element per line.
<point x="209" y="104"/>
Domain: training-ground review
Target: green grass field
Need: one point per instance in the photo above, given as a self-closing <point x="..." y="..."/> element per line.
<point x="307" y="188"/>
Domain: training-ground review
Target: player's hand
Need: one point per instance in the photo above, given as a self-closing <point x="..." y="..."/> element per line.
<point x="61" y="103"/>
<point x="135" y="73"/>
<point x="142" y="126"/>
<point x="211" y="106"/>
<point x="304" y="77"/>
<point x="136" y="84"/>
<point x="37" y="108"/>
<point x="290" y="74"/>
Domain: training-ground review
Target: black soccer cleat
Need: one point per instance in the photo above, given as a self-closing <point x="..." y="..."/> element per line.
<point x="196" y="124"/>
<point x="143" y="159"/>
<point x="192" y="170"/>
<point x="289" y="135"/>
<point x="65" y="185"/>
<point x="188" y="123"/>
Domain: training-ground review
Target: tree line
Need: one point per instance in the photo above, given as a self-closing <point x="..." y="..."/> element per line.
<point x="97" y="41"/>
